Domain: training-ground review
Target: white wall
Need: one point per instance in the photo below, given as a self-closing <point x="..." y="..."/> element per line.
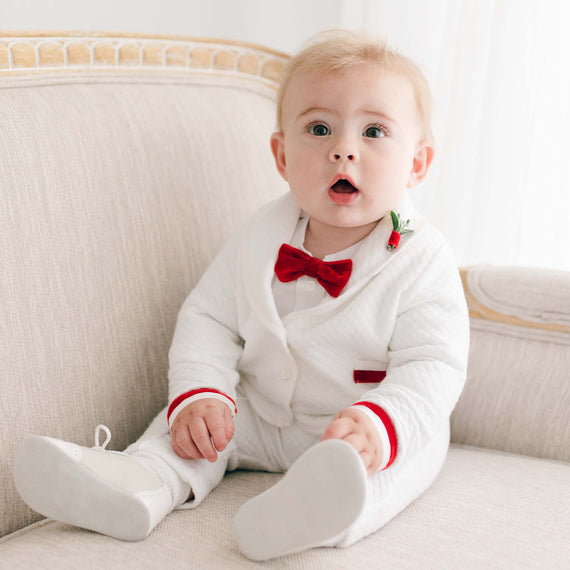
<point x="279" y="24"/>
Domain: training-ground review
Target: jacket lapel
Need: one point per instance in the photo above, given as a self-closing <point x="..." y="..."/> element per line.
<point x="274" y="225"/>
<point x="271" y="227"/>
<point x="372" y="256"/>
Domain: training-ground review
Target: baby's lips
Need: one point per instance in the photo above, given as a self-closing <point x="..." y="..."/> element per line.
<point x="344" y="187"/>
<point x="342" y="176"/>
<point x="344" y="198"/>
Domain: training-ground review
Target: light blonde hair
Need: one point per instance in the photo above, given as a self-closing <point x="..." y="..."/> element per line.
<point x="335" y="50"/>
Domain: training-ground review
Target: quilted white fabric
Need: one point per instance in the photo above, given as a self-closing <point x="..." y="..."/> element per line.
<point x="403" y="309"/>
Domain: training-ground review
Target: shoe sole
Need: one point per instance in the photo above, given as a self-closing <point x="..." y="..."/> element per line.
<point x="58" y="487"/>
<point x="317" y="500"/>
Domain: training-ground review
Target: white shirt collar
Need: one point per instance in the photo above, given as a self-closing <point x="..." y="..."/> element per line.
<point x="299" y="237"/>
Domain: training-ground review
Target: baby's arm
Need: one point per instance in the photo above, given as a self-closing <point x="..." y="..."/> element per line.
<point x="201" y="429"/>
<point x="427" y="354"/>
<point x="356" y="428"/>
<point x="203" y="358"/>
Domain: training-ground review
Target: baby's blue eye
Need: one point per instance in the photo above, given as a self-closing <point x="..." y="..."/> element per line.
<point x="319" y="130"/>
<point x="374" y="132"/>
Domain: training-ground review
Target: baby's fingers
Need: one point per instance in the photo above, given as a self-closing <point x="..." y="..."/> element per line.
<point x="183" y="445"/>
<point x="339" y="428"/>
<point x="368" y="459"/>
<point x="229" y="422"/>
<point x="217" y="425"/>
<point x="202" y="439"/>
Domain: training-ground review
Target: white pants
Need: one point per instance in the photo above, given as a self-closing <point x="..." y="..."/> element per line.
<point x="260" y="446"/>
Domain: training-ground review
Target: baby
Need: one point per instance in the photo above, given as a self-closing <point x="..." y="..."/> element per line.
<point x="327" y="340"/>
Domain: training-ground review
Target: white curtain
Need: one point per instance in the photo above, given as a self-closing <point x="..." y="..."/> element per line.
<point x="500" y="72"/>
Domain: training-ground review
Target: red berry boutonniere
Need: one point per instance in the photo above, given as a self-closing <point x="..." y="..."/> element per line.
<point x="400" y="229"/>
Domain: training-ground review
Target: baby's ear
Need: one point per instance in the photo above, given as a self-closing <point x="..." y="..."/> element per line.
<point x="278" y="150"/>
<point x="422" y="160"/>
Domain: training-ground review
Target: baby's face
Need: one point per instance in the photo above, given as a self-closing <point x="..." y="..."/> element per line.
<point x="350" y="144"/>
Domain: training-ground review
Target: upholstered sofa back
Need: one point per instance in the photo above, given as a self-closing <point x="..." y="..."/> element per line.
<point x="125" y="163"/>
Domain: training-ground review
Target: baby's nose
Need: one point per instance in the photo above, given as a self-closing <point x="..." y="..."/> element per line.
<point x="337" y="157"/>
<point x="343" y="152"/>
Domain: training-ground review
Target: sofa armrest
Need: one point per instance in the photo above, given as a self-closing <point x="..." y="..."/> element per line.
<point x="517" y="393"/>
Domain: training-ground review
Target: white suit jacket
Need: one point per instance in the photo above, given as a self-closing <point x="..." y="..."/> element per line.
<point x="403" y="312"/>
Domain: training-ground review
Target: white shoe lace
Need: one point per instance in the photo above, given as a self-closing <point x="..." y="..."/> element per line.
<point x="107" y="431"/>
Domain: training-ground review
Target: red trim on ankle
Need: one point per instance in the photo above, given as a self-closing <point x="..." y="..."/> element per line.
<point x="385" y="419"/>
<point x="187" y="395"/>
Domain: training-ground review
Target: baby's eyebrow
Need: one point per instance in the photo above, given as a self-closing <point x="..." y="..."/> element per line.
<point x="314" y="110"/>
<point x="370" y="112"/>
<point x="374" y="113"/>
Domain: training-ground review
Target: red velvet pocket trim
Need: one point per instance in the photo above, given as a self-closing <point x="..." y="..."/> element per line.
<point x="369" y="376"/>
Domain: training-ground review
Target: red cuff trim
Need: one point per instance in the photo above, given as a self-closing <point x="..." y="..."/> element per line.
<point x="187" y="395"/>
<point x="368" y="376"/>
<point x="385" y="419"/>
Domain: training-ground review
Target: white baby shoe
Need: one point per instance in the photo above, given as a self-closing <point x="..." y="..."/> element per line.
<point x="314" y="504"/>
<point x="104" y="491"/>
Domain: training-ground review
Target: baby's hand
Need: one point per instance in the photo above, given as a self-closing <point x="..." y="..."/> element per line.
<point x="201" y="429"/>
<point x="355" y="427"/>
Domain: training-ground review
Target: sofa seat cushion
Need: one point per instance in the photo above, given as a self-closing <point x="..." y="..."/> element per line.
<point x="487" y="509"/>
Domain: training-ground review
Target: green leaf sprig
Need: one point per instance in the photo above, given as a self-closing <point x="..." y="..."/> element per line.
<point x="400" y="225"/>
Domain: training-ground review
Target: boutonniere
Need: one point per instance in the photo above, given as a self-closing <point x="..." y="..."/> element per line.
<point x="400" y="228"/>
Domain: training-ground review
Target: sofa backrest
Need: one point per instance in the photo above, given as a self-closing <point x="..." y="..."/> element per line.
<point x="125" y="162"/>
<point x="517" y="395"/>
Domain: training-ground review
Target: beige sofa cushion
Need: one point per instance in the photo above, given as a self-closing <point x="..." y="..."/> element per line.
<point x="487" y="509"/>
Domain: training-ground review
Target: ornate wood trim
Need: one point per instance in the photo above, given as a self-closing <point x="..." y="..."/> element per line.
<point x="48" y="52"/>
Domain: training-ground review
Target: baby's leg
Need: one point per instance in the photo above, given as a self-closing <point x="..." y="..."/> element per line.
<point x="120" y="494"/>
<point x="318" y="499"/>
<point x="187" y="478"/>
<point x="392" y="490"/>
<point x="326" y="499"/>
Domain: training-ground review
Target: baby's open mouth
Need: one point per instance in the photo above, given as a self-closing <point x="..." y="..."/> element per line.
<point x="343" y="192"/>
<point x="343" y="187"/>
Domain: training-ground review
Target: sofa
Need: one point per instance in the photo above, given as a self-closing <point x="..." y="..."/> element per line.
<point x="126" y="161"/>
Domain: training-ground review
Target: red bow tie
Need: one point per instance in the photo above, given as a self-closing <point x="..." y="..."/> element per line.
<point x="332" y="275"/>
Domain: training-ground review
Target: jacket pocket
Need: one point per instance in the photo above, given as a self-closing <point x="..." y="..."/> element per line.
<point x="369" y="376"/>
<point x="367" y="372"/>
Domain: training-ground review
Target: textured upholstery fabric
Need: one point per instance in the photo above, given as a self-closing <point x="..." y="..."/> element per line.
<point x="487" y="509"/>
<point x="517" y="394"/>
<point x="115" y="192"/>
